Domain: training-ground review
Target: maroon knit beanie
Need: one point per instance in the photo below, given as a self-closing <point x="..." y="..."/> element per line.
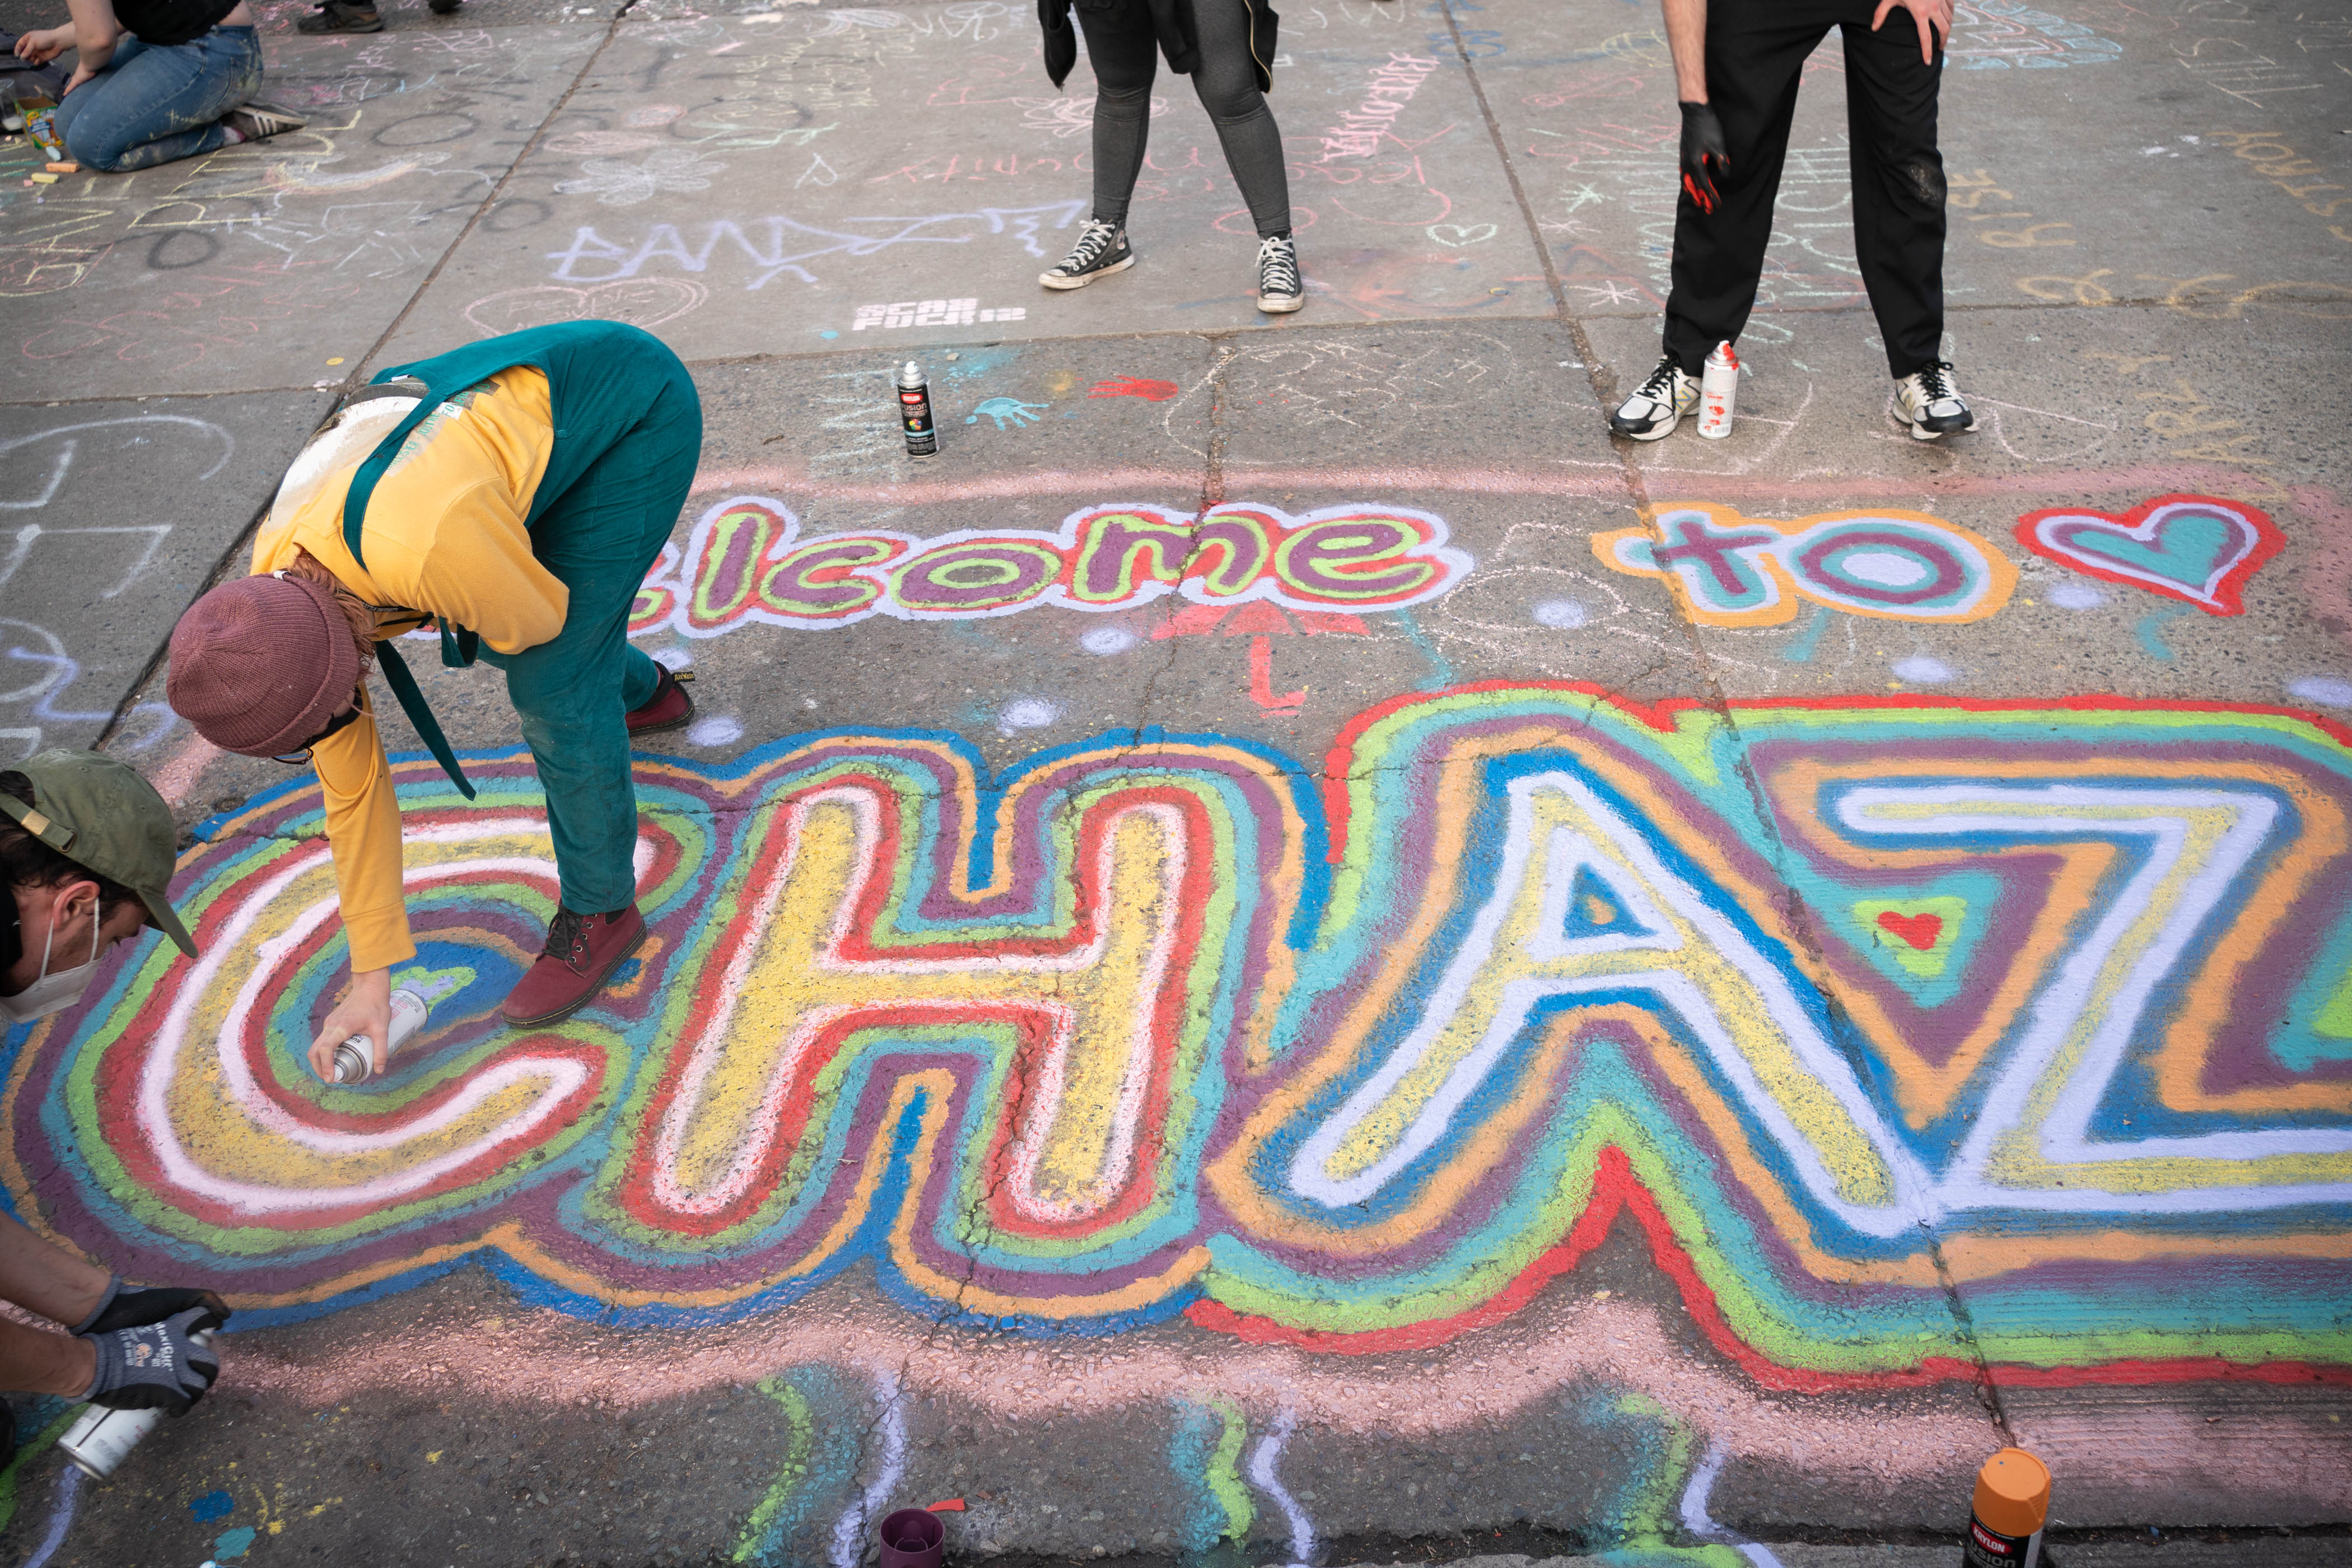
<point x="260" y="664"/>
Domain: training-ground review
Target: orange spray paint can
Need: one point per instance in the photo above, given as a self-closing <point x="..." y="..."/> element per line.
<point x="2012" y="1504"/>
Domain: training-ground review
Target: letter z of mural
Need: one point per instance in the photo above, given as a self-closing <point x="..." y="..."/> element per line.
<point x="2059" y="1013"/>
<point x="746" y="563"/>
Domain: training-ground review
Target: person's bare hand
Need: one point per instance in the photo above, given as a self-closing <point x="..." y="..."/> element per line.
<point x="82" y="74"/>
<point x="365" y="1009"/>
<point x="41" y="46"/>
<point x="1933" y="19"/>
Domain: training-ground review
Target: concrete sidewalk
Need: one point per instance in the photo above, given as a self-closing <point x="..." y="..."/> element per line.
<point x="1284" y="954"/>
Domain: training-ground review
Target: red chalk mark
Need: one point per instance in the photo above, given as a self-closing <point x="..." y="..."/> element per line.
<point x="1256" y="618"/>
<point x="1919" y="931"/>
<point x="1329" y="623"/>
<point x="945" y="1505"/>
<point x="1262" y="681"/>
<point x="1135" y="387"/>
<point x="1192" y="621"/>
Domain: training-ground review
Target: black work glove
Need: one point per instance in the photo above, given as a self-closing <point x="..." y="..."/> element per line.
<point x="157" y="1367"/>
<point x="1704" y="157"/>
<point x="130" y="1309"/>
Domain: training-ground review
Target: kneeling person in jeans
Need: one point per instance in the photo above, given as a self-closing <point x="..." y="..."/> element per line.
<point x="156" y="80"/>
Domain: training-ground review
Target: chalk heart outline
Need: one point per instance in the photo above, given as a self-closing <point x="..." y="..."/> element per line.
<point x="1465" y="233"/>
<point x="2167" y="546"/>
<point x="645" y="302"/>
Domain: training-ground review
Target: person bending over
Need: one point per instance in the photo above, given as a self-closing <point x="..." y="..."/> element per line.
<point x="155" y="80"/>
<point x="1225" y="45"/>
<point x="513" y="493"/>
<point x="1737" y="66"/>
<point x="87" y="848"/>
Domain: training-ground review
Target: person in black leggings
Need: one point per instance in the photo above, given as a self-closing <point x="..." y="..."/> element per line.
<point x="1225" y="45"/>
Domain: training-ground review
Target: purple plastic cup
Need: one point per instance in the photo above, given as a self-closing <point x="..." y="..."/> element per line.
<point x="912" y="1537"/>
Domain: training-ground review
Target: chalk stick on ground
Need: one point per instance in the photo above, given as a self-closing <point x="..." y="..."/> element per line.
<point x="67" y="167"/>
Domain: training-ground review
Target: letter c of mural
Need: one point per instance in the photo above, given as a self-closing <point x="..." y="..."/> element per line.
<point x="1357" y="1059"/>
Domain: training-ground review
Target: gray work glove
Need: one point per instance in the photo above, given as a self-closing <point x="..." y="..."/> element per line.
<point x="123" y="1307"/>
<point x="157" y="1367"/>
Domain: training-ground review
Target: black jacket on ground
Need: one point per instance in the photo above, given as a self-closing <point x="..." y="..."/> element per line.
<point x="1171" y="19"/>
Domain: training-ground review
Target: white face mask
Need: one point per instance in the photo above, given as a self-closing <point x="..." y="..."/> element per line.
<point x="53" y="993"/>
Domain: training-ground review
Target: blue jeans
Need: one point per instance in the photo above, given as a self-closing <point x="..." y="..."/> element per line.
<point x="152" y="105"/>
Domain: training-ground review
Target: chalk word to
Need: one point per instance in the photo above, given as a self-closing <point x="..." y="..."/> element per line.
<point x="933" y="313"/>
<point x="747" y="562"/>
<point x="1733" y="571"/>
<point x="2195" y="548"/>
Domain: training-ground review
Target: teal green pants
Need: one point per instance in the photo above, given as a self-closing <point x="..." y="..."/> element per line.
<point x="628" y="435"/>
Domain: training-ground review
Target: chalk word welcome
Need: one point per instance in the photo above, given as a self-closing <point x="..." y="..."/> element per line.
<point x="1733" y="571"/>
<point x="747" y="560"/>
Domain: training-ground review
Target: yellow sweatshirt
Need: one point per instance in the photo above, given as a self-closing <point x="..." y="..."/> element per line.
<point x="445" y="536"/>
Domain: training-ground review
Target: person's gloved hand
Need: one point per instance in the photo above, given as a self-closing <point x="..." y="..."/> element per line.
<point x="156" y="1366"/>
<point x="123" y="1307"/>
<point x="1704" y="156"/>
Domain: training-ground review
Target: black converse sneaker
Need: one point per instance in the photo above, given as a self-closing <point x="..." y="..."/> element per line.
<point x="1658" y="404"/>
<point x="1102" y="249"/>
<point x="1279" y="290"/>
<point x="1929" y="401"/>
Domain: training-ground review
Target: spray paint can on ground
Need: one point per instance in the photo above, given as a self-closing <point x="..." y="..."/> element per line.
<point x="353" y="1062"/>
<point x="2012" y="1504"/>
<point x="100" y="1439"/>
<point x="915" y="412"/>
<point x="1718" y="389"/>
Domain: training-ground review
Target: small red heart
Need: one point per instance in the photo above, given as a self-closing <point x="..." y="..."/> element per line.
<point x="1919" y="931"/>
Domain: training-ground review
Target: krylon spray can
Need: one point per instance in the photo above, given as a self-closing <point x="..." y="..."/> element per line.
<point x="97" y="1442"/>
<point x="353" y="1062"/>
<point x="1718" y="389"/>
<point x="915" y="412"/>
<point x="2012" y="1504"/>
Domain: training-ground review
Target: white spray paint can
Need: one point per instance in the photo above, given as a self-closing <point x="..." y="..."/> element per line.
<point x="102" y="1438"/>
<point x="353" y="1062"/>
<point x="1718" y="389"/>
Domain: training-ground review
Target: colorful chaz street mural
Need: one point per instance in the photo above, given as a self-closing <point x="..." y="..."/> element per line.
<point x="1840" y="1001"/>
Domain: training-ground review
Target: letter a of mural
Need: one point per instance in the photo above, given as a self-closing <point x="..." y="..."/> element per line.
<point x="1158" y="1025"/>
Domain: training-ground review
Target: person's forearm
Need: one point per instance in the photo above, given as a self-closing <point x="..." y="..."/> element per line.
<point x="1686" y="40"/>
<point x="47" y="1279"/>
<point x="32" y="1362"/>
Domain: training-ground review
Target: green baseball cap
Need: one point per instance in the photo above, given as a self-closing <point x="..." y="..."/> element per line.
<point x="99" y="812"/>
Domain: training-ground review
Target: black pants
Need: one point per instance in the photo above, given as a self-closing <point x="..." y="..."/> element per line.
<point x="1755" y="53"/>
<point x="1125" y="54"/>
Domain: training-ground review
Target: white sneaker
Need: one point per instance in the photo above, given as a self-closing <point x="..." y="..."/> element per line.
<point x="1928" y="402"/>
<point x="1102" y="249"/>
<point x="1658" y="404"/>
<point x="1279" y="288"/>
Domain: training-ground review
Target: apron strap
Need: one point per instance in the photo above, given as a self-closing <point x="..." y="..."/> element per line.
<point x="459" y="648"/>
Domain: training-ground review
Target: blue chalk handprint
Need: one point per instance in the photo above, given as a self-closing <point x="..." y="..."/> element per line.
<point x="1006" y="409"/>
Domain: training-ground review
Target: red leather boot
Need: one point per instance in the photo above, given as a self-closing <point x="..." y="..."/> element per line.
<point x="581" y="953"/>
<point x="669" y="707"/>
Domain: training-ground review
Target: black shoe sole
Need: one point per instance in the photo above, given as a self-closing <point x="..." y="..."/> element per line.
<point x="587" y="996"/>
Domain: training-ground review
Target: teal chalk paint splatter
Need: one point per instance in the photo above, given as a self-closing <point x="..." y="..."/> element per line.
<point x="232" y="1545"/>
<point x="1206" y="1451"/>
<point x="816" y="1469"/>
